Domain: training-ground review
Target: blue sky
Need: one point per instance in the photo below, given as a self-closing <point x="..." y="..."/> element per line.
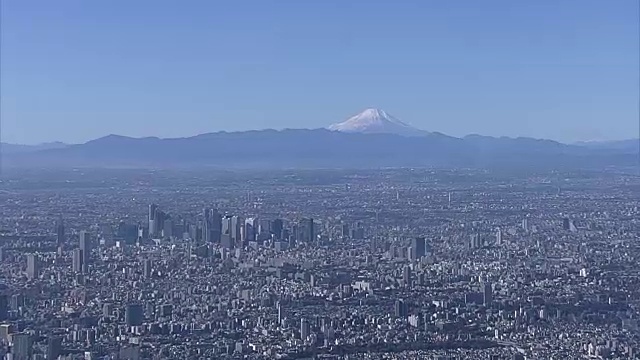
<point x="77" y="70"/>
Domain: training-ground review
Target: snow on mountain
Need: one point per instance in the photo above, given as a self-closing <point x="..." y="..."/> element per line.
<point x="376" y="121"/>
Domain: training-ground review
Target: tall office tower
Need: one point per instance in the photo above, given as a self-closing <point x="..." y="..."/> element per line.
<point x="306" y="230"/>
<point x="153" y="226"/>
<point x="60" y="232"/>
<point x="475" y="242"/>
<point x="525" y="224"/>
<point x="32" y="266"/>
<point x="206" y="225"/>
<point x="262" y="227"/>
<point x="236" y="224"/>
<point x="167" y="229"/>
<point x="280" y="312"/>
<point x="54" y="347"/>
<point x="127" y="232"/>
<point x="345" y="230"/>
<point x="226" y="225"/>
<point x="358" y="232"/>
<point x="77" y="261"/>
<point x="216" y="226"/>
<point x="498" y="237"/>
<point x="199" y="231"/>
<point x="22" y="346"/>
<point x="85" y="246"/>
<point x="212" y="226"/>
<point x="487" y="294"/>
<point x="142" y="233"/>
<point x="400" y="308"/>
<point x="161" y="217"/>
<point x="275" y="227"/>
<point x="226" y="241"/>
<point x="133" y="315"/>
<point x="106" y="233"/>
<point x="418" y="248"/>
<point x="409" y="252"/>
<point x="250" y="229"/>
<point x="4" y="307"/>
<point x="304" y="329"/>
<point x="566" y="224"/>
<point x="147" y="268"/>
<point x="406" y="275"/>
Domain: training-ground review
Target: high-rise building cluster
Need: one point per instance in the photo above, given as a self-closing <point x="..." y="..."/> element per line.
<point x="390" y="266"/>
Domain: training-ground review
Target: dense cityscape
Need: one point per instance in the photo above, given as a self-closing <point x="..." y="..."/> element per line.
<point x="319" y="180"/>
<point x="326" y="264"/>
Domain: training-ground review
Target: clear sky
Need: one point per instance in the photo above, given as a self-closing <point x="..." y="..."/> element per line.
<point x="77" y="70"/>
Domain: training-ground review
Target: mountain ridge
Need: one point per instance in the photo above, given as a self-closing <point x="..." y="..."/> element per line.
<point x="8" y="148"/>
<point x="317" y="148"/>
<point x="371" y="138"/>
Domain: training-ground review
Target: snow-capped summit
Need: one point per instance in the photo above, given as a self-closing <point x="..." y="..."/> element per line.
<point x="376" y="121"/>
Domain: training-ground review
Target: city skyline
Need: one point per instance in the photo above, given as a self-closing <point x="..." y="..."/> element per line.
<point x="562" y="71"/>
<point x="404" y="263"/>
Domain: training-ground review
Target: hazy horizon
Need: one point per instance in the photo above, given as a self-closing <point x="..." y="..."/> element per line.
<point x="187" y="136"/>
<point x="73" y="72"/>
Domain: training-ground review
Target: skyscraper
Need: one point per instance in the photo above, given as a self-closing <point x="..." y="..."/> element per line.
<point x="77" y="261"/>
<point x="147" y="268"/>
<point x="304" y="329"/>
<point x="498" y="237"/>
<point x="54" y="347"/>
<point x="345" y="230"/>
<point x="475" y="241"/>
<point x="487" y="294"/>
<point x="133" y="315"/>
<point x="418" y="248"/>
<point x="22" y="348"/>
<point x="153" y="226"/>
<point x="32" y="266"/>
<point x="280" y="312"/>
<point x="85" y="246"/>
<point x="60" y="232"/>
<point x="167" y="229"/>
<point x="400" y="308"/>
<point x="226" y="241"/>
<point x="306" y="231"/>
<point x="236" y="224"/>
<point x="212" y="225"/>
<point x="275" y="227"/>
<point x="250" y="229"/>
<point x="4" y="307"/>
<point x="161" y="217"/>
<point x="226" y="225"/>
<point x="206" y="225"/>
<point x="406" y="275"/>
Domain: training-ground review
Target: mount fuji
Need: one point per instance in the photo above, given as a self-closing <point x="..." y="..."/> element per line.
<point x="371" y="139"/>
<point x="376" y="121"/>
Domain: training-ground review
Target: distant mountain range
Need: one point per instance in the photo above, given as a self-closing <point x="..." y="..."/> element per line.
<point x="372" y="138"/>
<point x="16" y="148"/>
<point x="630" y="144"/>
